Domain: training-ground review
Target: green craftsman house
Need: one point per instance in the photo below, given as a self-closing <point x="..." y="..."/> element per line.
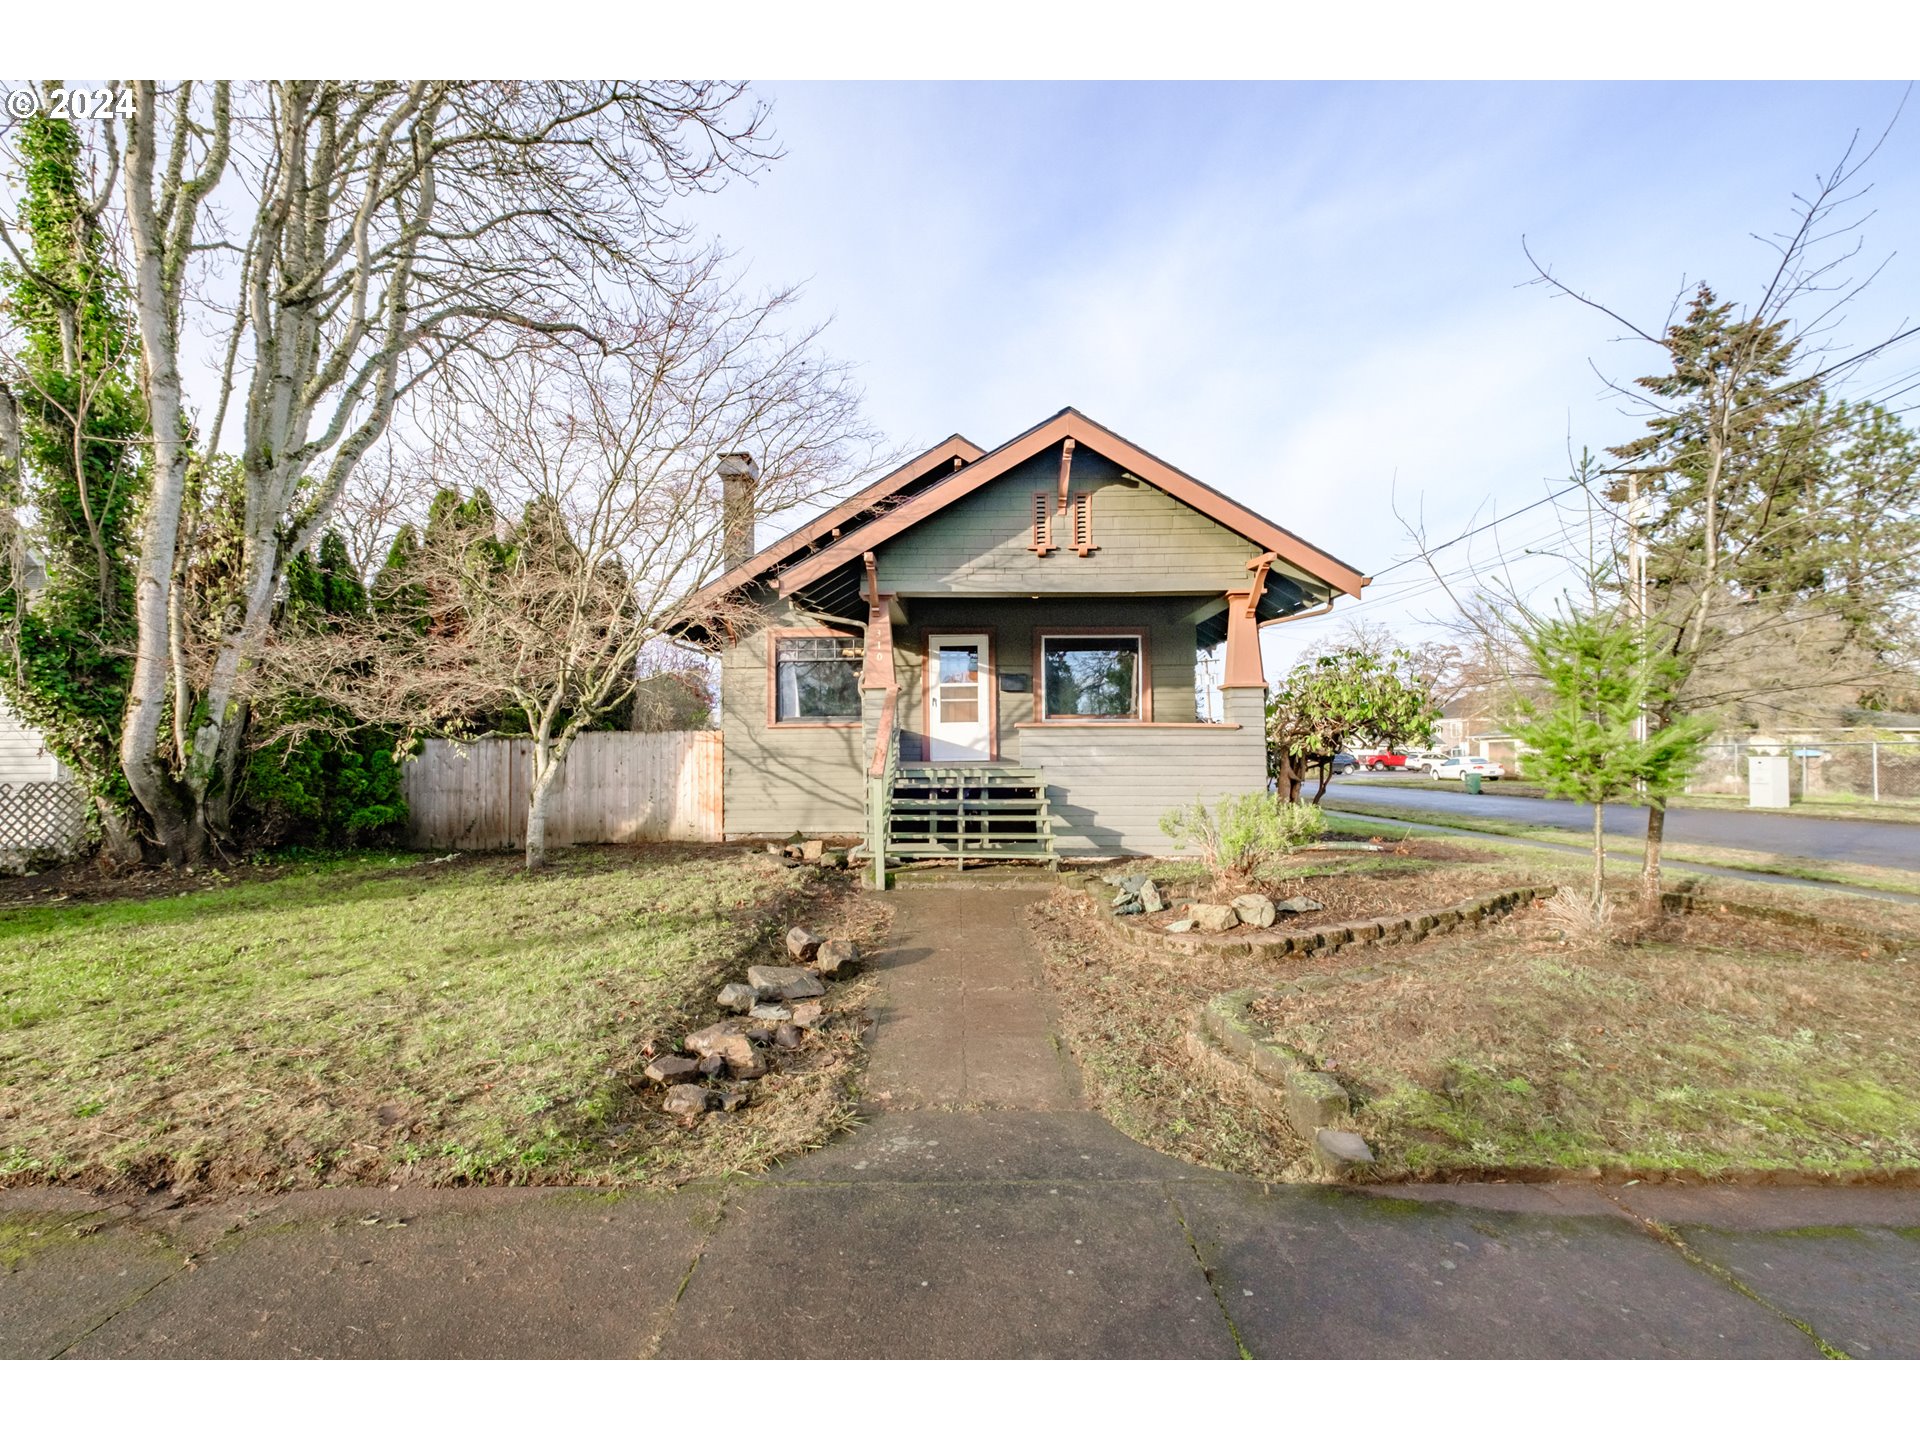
<point x="993" y="653"/>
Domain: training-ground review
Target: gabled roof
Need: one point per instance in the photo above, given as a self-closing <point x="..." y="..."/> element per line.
<point x="1071" y="424"/>
<point x="852" y="511"/>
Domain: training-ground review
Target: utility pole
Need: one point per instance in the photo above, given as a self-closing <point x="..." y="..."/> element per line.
<point x="1637" y="591"/>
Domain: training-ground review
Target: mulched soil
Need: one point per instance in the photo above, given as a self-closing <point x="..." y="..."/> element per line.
<point x="1346" y="897"/>
<point x="90" y="880"/>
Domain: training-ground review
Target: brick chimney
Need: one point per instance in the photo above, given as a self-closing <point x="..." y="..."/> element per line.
<point x="738" y="474"/>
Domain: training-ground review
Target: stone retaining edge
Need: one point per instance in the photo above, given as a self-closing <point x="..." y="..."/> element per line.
<point x="1684" y="902"/>
<point x="1316" y="940"/>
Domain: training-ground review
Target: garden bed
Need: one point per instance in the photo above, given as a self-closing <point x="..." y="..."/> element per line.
<point x="1753" y="1041"/>
<point x="393" y="1019"/>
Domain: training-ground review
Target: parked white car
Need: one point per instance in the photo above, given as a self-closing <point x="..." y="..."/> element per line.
<point x="1460" y="767"/>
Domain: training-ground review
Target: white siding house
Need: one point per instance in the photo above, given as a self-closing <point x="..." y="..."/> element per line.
<point x="23" y="759"/>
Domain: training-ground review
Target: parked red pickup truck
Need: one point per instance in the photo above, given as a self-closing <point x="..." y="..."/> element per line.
<point x="1381" y="760"/>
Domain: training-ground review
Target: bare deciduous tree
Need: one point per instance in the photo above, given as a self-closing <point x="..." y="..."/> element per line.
<point x="607" y="465"/>
<point x="402" y="234"/>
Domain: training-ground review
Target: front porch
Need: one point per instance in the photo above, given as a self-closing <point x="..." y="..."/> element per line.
<point x="1052" y="775"/>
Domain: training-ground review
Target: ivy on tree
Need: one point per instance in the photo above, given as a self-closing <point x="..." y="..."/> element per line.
<point x="72" y="380"/>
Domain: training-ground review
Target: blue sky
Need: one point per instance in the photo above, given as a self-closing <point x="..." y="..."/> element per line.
<point x="1310" y="295"/>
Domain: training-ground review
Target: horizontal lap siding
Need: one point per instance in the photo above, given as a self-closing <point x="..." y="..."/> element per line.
<point x="1109" y="788"/>
<point x="780" y="779"/>
<point x="23" y="757"/>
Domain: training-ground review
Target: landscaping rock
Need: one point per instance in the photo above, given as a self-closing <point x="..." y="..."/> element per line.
<point x="671" y="1069"/>
<point x="1315" y="1100"/>
<point x="835" y="955"/>
<point x="1129" y="884"/>
<point x="769" y="1011"/>
<point x="787" y="1036"/>
<point x="715" y="1038"/>
<point x="802" y="945"/>
<point x="737" y="998"/>
<point x="1341" y="1153"/>
<point x="1180" y="927"/>
<point x="713" y="1065"/>
<point x="808" y="1014"/>
<point x="733" y="1100"/>
<point x="1297" y="905"/>
<point x="1150" y="898"/>
<point x="811" y="850"/>
<point x="1129" y="905"/>
<point x="1255" y="910"/>
<point x="774" y="847"/>
<point x="731" y="1042"/>
<point x="1212" y="919"/>
<point x="833" y="860"/>
<point x="786" y="982"/>
<point x="687" y="1100"/>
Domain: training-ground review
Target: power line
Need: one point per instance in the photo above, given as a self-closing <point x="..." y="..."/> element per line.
<point x="1568" y="490"/>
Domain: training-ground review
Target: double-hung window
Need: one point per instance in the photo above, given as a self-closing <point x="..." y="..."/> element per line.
<point x="816" y="679"/>
<point x="1090" y="677"/>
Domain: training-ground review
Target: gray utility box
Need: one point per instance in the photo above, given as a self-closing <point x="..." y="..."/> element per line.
<point x="1769" y="782"/>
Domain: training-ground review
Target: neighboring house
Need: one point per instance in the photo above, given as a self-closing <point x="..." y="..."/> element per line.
<point x="994" y="652"/>
<point x="23" y="756"/>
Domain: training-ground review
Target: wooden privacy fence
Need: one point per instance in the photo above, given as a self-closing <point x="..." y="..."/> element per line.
<point x="616" y="786"/>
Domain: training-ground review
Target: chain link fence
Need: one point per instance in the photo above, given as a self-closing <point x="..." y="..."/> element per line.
<point x="1873" y="771"/>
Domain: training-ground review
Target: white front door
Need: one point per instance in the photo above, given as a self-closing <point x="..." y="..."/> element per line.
<point x="959" y="703"/>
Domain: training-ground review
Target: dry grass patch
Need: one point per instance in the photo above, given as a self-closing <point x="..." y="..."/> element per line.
<point x="1722" y="1045"/>
<point x="393" y="1019"/>
<point x="1125" y="1019"/>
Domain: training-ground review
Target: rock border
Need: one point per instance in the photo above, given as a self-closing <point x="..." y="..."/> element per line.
<point x="1314" y="939"/>
<point x="1685" y="902"/>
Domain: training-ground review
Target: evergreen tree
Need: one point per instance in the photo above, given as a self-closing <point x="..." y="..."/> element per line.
<point x="324" y="781"/>
<point x="1597" y="679"/>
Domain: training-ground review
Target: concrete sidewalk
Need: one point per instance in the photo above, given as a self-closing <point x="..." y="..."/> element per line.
<point x="979" y="1211"/>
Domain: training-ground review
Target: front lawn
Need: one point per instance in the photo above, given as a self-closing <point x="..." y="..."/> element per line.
<point x="396" y="1019"/>
<point x="1715" y="1042"/>
<point x="1720" y="1044"/>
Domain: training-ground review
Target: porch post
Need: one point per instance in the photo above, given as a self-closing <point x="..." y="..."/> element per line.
<point x="1244" y="667"/>
<point x="1243" y="688"/>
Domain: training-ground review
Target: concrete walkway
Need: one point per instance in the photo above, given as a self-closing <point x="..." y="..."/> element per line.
<point x="979" y="1211"/>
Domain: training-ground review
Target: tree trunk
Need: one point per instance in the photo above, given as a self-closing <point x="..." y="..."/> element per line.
<point x="1599" y="856"/>
<point x="1650" y="866"/>
<point x="147" y="693"/>
<point x="119" y="844"/>
<point x="1326" y="774"/>
<point x="546" y="771"/>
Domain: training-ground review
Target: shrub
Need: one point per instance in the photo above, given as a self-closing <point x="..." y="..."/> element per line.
<point x="1243" y="832"/>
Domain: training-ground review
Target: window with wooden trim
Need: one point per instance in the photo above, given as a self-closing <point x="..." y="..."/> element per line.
<point x="1090" y="677"/>
<point x="816" y="679"/>
<point x="1042" y="541"/>
<point x="1083" y="523"/>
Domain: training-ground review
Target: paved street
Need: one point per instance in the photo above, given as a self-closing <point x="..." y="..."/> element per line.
<point x="1861" y="842"/>
<point x="979" y="1211"/>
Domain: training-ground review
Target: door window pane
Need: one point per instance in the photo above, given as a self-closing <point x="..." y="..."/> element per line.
<point x="816" y="677"/>
<point x="959" y="664"/>
<point x="1093" y="677"/>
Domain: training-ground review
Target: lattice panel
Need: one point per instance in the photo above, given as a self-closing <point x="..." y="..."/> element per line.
<point x="43" y="815"/>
